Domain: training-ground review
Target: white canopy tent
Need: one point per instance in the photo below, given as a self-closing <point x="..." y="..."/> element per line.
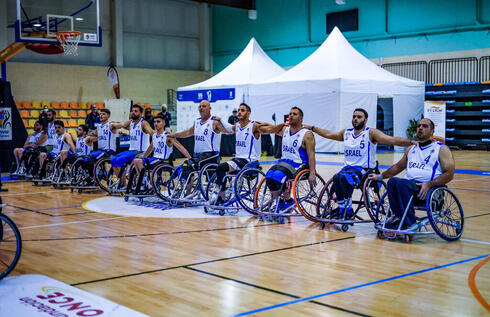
<point x="227" y="89"/>
<point x="330" y="84"/>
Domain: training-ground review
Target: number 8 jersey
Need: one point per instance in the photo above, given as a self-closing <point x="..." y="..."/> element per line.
<point x="205" y="140"/>
<point x="358" y="149"/>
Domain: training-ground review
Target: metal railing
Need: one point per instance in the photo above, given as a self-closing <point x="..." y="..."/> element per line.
<point x="453" y="70"/>
<point x="171" y="100"/>
<point x="413" y="70"/>
<point x="485" y="68"/>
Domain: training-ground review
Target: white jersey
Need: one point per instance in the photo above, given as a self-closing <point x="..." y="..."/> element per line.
<point x="34" y="137"/>
<point x="291" y="146"/>
<point x="51" y="134"/>
<point x="205" y="139"/>
<point x="160" y="148"/>
<point x="81" y="147"/>
<point x="246" y="145"/>
<point x="423" y="162"/>
<point x="106" y="139"/>
<point x="139" y="141"/>
<point x="359" y="150"/>
<point x="60" y="144"/>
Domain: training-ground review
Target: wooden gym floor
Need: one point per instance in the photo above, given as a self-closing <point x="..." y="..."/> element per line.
<point x="233" y="265"/>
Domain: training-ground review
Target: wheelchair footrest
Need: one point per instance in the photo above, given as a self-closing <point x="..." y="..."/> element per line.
<point x="402" y="231"/>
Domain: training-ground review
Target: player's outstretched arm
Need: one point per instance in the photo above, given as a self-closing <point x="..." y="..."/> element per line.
<point x="119" y="125"/>
<point x="145" y="126"/>
<point x="337" y="136"/>
<point x="382" y="138"/>
<point x="183" y="134"/>
<point x="266" y="128"/>
<point x="394" y="170"/>
<point x="180" y="147"/>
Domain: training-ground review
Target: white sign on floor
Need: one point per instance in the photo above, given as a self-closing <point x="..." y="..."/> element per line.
<point x="39" y="295"/>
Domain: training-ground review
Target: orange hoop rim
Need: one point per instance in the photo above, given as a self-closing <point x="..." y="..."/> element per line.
<point x="63" y="35"/>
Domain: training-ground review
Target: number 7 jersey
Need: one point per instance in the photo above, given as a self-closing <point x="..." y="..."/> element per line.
<point x="358" y="149"/>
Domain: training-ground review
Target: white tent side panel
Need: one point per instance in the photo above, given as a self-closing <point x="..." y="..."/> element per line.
<point x="405" y="107"/>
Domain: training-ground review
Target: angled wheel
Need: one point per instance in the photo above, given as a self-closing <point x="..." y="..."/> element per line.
<point x="132" y="184"/>
<point x="205" y="174"/>
<point x="327" y="201"/>
<point x="263" y="199"/>
<point x="445" y="213"/>
<point x="10" y="245"/>
<point x="305" y="195"/>
<point x="103" y="174"/>
<point x="162" y="178"/>
<point x="372" y="192"/>
<point x="246" y="185"/>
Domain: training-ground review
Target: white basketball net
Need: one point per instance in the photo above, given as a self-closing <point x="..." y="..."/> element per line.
<point x="69" y="42"/>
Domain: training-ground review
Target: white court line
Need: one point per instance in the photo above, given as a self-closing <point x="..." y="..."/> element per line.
<point x="69" y="223"/>
<point x="30" y="193"/>
<point x="475" y="241"/>
<point x="469" y="179"/>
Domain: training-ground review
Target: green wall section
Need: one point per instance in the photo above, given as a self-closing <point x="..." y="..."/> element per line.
<point x="290" y="30"/>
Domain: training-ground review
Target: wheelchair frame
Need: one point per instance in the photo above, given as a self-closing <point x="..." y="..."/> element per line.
<point x="80" y="175"/>
<point x="10" y="226"/>
<point x="432" y="217"/>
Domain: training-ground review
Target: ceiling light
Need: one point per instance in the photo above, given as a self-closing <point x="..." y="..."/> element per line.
<point x="79" y="19"/>
<point x="37" y="24"/>
<point x="340" y="2"/>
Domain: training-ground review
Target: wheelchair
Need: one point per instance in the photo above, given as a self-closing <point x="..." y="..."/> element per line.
<point x="28" y="158"/>
<point x="197" y="181"/>
<point x="10" y="244"/>
<point x="105" y="178"/>
<point x="365" y="198"/>
<point x="239" y="187"/>
<point x="45" y="173"/>
<point x="81" y="174"/>
<point x="62" y="173"/>
<point x="270" y="208"/>
<point x="140" y="185"/>
<point x="441" y="211"/>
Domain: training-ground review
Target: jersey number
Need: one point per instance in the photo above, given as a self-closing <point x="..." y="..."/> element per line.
<point x="362" y="144"/>
<point x="427" y="159"/>
<point x="205" y="132"/>
<point x="295" y="143"/>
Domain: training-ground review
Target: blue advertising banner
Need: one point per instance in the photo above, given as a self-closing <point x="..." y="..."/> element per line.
<point x="211" y="95"/>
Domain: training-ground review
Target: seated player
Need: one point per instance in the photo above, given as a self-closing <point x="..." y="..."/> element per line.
<point x="247" y="147"/>
<point x="62" y="141"/>
<point x="105" y="135"/>
<point x="36" y="143"/>
<point x="161" y="146"/>
<point x="359" y="156"/>
<point x="298" y="149"/>
<point x="428" y="163"/>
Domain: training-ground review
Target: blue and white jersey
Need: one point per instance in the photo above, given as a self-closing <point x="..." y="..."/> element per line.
<point x="423" y="162"/>
<point x="60" y="144"/>
<point x="358" y="149"/>
<point x="291" y="146"/>
<point x="160" y="148"/>
<point x="139" y="141"/>
<point x="246" y="145"/>
<point x="81" y="148"/>
<point x="34" y="137"/>
<point x="205" y="139"/>
<point x="51" y="134"/>
<point x="106" y="139"/>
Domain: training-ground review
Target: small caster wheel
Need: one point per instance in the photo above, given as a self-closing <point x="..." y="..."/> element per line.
<point x="221" y="212"/>
<point x="71" y="190"/>
<point x="322" y="225"/>
<point x="55" y="185"/>
<point x="80" y="191"/>
<point x="389" y="235"/>
<point x="408" y="238"/>
<point x="141" y="200"/>
<point x="35" y="183"/>
<point x="380" y="234"/>
<point x="206" y="209"/>
<point x="345" y="227"/>
<point x="280" y="219"/>
<point x="126" y="198"/>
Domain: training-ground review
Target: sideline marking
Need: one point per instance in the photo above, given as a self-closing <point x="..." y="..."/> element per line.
<point x="472" y="284"/>
<point x="31" y="193"/>
<point x="475" y="241"/>
<point x="69" y="223"/>
<point x="360" y="286"/>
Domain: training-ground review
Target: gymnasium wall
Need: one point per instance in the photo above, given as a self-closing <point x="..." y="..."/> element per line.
<point x="290" y="30"/>
<point x="33" y="81"/>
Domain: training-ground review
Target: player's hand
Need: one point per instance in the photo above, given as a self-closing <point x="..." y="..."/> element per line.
<point x="312" y="180"/>
<point x="425" y="187"/>
<point x="373" y="177"/>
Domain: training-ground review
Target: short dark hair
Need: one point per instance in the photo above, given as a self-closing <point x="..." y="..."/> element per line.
<point x="246" y="106"/>
<point x="159" y="116"/>
<point x="137" y="106"/>
<point x="300" y="111"/>
<point x="59" y="122"/>
<point x="106" y="111"/>
<point x="361" y="110"/>
<point x="84" y="127"/>
<point x="52" y="111"/>
<point x="432" y="125"/>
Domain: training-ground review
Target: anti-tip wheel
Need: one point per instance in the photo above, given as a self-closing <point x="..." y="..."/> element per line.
<point x="221" y="212"/>
<point x="126" y="198"/>
<point x="71" y="190"/>
<point x="345" y="227"/>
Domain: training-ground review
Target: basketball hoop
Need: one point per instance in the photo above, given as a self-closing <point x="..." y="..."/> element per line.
<point x="69" y="41"/>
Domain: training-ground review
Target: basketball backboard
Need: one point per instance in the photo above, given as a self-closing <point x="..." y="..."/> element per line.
<point x="38" y="21"/>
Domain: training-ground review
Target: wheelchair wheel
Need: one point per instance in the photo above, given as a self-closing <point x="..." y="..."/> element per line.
<point x="205" y="174"/>
<point x="327" y="201"/>
<point x="263" y="199"/>
<point x="382" y="210"/>
<point x="161" y="179"/>
<point x="103" y="174"/>
<point x="10" y="245"/>
<point x="445" y="213"/>
<point x="246" y="185"/>
<point x="213" y="190"/>
<point x="132" y="185"/>
<point x="372" y="191"/>
<point x="305" y="196"/>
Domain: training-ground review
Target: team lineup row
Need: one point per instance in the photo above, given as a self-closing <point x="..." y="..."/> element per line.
<point x="288" y="186"/>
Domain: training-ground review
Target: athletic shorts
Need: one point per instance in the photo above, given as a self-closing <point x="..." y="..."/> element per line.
<point x="237" y="163"/>
<point x="98" y="154"/>
<point x="151" y="162"/>
<point x="283" y="171"/>
<point x="123" y="158"/>
<point x="52" y="156"/>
